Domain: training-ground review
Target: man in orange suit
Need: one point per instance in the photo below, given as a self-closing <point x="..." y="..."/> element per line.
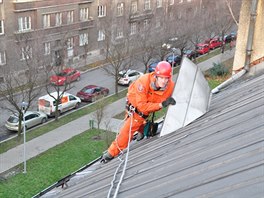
<point x="150" y="93"/>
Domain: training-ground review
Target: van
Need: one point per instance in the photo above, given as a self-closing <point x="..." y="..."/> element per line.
<point x="47" y="103"/>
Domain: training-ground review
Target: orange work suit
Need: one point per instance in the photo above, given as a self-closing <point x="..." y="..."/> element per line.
<point x="144" y="96"/>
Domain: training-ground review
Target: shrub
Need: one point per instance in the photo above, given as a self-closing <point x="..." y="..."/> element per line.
<point x="218" y="70"/>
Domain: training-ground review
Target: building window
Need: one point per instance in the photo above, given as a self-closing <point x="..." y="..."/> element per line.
<point x="58" y="17"/>
<point x="24" y="24"/>
<point x="46" y="20"/>
<point x="158" y="24"/>
<point x="2" y="58"/>
<point x="189" y="0"/>
<point x="180" y="1"/>
<point x="84" y="14"/>
<point x="70" y="43"/>
<point x="1" y="26"/>
<point x="69" y="17"/>
<point x="83" y="39"/>
<point x="147" y="5"/>
<point x="171" y="2"/>
<point x="47" y="48"/>
<point x="134" y="7"/>
<point x="2" y="79"/>
<point x="119" y="33"/>
<point x="1" y="1"/>
<point x="146" y="24"/>
<point x="26" y="53"/>
<point x="159" y="3"/>
<point x="133" y="29"/>
<point x="120" y="9"/>
<point x="101" y="11"/>
<point x="101" y="35"/>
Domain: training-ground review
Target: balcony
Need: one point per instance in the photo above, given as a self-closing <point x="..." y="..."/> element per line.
<point x="28" y="5"/>
<point x="147" y="14"/>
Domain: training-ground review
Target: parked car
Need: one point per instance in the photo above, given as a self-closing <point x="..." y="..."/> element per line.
<point x="129" y="76"/>
<point x="66" y="76"/>
<point x="176" y="61"/>
<point x="202" y="48"/>
<point x="153" y="64"/>
<point x="214" y="43"/>
<point x="47" y="103"/>
<point x="32" y="118"/>
<point x="191" y="54"/>
<point x="91" y="93"/>
<point x="230" y="37"/>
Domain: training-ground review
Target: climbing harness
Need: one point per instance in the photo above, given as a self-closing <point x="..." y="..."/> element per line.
<point x="130" y="107"/>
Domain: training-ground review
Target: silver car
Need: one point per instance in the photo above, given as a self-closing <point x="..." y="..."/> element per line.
<point x="129" y="76"/>
<point x="32" y="118"/>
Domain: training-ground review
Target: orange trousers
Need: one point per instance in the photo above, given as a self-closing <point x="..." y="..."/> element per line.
<point x="121" y="141"/>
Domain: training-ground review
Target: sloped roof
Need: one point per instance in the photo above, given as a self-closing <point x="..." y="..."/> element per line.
<point x="218" y="155"/>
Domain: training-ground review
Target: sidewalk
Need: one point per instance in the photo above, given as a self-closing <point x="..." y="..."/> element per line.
<point x="34" y="147"/>
<point x="216" y="59"/>
<point x="44" y="142"/>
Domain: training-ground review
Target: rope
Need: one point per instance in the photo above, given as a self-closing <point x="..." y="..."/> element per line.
<point x="130" y="113"/>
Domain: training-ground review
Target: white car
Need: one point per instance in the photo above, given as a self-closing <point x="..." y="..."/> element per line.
<point x="32" y="118"/>
<point x="129" y="76"/>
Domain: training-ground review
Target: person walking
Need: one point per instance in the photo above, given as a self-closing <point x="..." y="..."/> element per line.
<point x="149" y="93"/>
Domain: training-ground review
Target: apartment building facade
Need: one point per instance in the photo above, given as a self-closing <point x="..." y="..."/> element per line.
<point x="44" y="33"/>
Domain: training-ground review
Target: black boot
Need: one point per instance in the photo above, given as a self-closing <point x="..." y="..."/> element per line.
<point x="106" y="158"/>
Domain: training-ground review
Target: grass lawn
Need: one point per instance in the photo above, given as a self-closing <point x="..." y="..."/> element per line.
<point x="56" y="163"/>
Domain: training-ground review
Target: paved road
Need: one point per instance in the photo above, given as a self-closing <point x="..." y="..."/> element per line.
<point x="97" y="76"/>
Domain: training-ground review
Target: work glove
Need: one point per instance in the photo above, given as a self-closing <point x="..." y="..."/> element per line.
<point x="168" y="101"/>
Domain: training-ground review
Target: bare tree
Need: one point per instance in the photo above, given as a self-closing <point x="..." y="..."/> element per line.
<point x="117" y="45"/>
<point x="56" y="70"/>
<point x="232" y="5"/>
<point x="99" y="113"/>
<point x="108" y="130"/>
<point x="23" y="86"/>
<point x="143" y="48"/>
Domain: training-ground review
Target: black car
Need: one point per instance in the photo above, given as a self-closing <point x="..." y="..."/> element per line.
<point x="191" y="54"/>
<point x="230" y="37"/>
<point x="176" y="61"/>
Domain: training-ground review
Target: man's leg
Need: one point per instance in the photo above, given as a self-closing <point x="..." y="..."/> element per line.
<point x="121" y="141"/>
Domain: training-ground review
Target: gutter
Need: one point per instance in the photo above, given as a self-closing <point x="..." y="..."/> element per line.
<point x="253" y="14"/>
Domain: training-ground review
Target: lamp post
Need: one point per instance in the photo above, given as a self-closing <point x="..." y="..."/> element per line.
<point x="173" y="56"/>
<point x="24" y="106"/>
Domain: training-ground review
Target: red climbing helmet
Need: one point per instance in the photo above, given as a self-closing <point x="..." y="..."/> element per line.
<point x="163" y="69"/>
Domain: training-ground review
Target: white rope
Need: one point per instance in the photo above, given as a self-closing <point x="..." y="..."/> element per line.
<point x="122" y="161"/>
<point x="125" y="165"/>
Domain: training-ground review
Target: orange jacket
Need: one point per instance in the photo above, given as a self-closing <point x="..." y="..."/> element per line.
<point x="142" y="95"/>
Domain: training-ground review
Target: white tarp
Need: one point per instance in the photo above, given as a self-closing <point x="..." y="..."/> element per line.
<point x="192" y="94"/>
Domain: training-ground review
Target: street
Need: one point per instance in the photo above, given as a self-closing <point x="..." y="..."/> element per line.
<point x="96" y="76"/>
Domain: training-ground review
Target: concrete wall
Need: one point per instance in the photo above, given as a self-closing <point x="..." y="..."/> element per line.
<point x="242" y="35"/>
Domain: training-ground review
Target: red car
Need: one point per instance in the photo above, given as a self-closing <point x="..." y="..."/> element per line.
<point x="91" y="93"/>
<point x="214" y="43"/>
<point x="202" y="48"/>
<point x="66" y="76"/>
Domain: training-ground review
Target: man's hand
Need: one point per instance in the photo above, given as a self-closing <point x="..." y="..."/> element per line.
<point x="168" y="101"/>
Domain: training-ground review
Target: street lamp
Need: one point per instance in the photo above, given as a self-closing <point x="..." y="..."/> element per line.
<point x="24" y="106"/>
<point x="173" y="56"/>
